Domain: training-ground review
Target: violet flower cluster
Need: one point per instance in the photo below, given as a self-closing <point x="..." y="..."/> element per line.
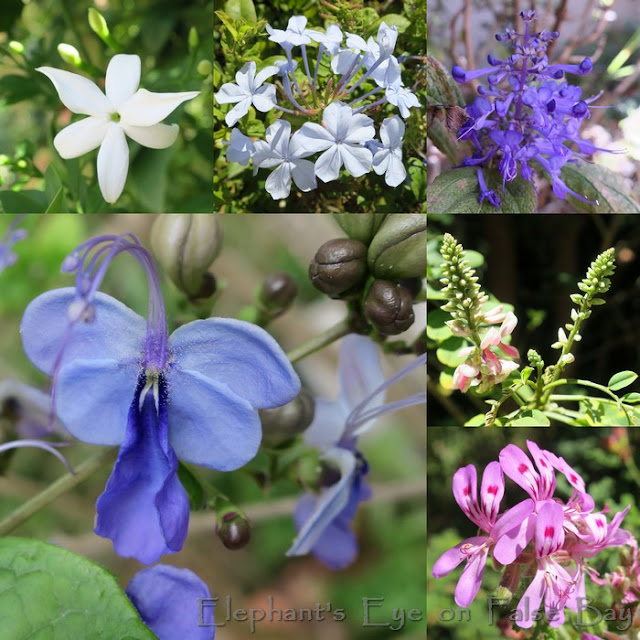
<point x="543" y="540"/>
<point x="7" y="240"/>
<point x="529" y="122"/>
<point x="346" y="137"/>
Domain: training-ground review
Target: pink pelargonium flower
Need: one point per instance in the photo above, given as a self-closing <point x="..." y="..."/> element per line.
<point x="540" y="484"/>
<point x="475" y="550"/>
<point x="494" y="337"/>
<point x="551" y="583"/>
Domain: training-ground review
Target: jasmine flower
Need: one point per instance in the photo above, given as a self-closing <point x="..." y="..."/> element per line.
<point x="125" y="109"/>
<point x="121" y="380"/>
<point x="248" y="91"/>
<point x="279" y="151"/>
<point x="341" y="138"/>
<point x="323" y="522"/>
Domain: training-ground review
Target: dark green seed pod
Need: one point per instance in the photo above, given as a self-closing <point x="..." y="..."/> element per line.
<point x="277" y="293"/>
<point x="234" y="530"/>
<point x="285" y="422"/>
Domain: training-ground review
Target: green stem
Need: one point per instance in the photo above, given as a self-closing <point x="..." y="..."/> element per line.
<point x="53" y="491"/>
<point x="332" y="334"/>
<point x="71" y="24"/>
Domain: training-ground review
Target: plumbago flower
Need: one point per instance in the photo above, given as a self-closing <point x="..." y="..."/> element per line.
<point x="346" y="137"/>
<point x="121" y="380"/>
<point x="125" y="110"/>
<point x="542" y="541"/>
<point x="174" y="603"/>
<point x="323" y="521"/>
<point x="532" y="115"/>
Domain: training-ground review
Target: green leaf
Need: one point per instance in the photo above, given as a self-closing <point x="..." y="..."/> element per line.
<point x="621" y="380"/>
<point x="477" y="421"/>
<point x="237" y="9"/>
<point x="49" y="592"/>
<point x="228" y="22"/>
<point x="57" y="204"/>
<point x="631" y="398"/>
<point x="448" y="351"/>
<point x="401" y="23"/>
<point x="29" y="201"/>
<point x="598" y="183"/>
<point x="436" y="328"/>
<point x="457" y="191"/>
<point x="531" y="418"/>
<point x="15" y="88"/>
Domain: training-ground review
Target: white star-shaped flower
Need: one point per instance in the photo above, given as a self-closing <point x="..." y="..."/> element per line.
<point x="125" y="109"/>
<point x="248" y="91"/>
<point x="387" y="158"/>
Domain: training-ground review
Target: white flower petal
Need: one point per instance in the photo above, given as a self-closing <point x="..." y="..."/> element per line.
<point x="246" y="76"/>
<point x="396" y="173"/>
<point x="157" y="136"/>
<point x="264" y="99"/>
<point x="357" y="160"/>
<point x="381" y="161"/>
<point x="361" y="129"/>
<point x="278" y="183"/>
<point x="113" y="163"/>
<point x="229" y="92"/>
<point x="328" y="164"/>
<point x="356" y="42"/>
<point x="81" y="137"/>
<point x="264" y="157"/>
<point x="267" y="72"/>
<point x="303" y="175"/>
<point x="336" y="119"/>
<point x="392" y="132"/>
<point x="278" y="138"/>
<point x="341" y="63"/>
<point x="78" y="93"/>
<point x="312" y="138"/>
<point x="239" y="111"/>
<point x="123" y="78"/>
<point x="145" y="108"/>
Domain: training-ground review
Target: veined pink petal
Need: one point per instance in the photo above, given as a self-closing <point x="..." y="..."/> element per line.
<point x="471" y="578"/>
<point x="511" y="543"/>
<point x="78" y="93"/>
<point x="511" y="519"/>
<point x="465" y="491"/>
<point x="491" y="338"/>
<point x="549" y="531"/>
<point x="81" y="137"/>
<point x="545" y="468"/>
<point x="113" y="163"/>
<point x="157" y="136"/>
<point x="512" y="352"/>
<point x="145" y="108"/>
<point x="123" y="78"/>
<point x="491" y="490"/>
<point x="508" y="324"/>
<point x="531" y="601"/>
<point x="516" y="464"/>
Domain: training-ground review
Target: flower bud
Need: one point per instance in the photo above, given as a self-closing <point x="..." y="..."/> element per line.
<point x="282" y="423"/>
<point x="186" y="245"/>
<point x="70" y="54"/>
<point x="338" y="266"/>
<point x="97" y="23"/>
<point x="399" y="248"/>
<point x="233" y="530"/>
<point x="360" y="227"/>
<point x="389" y="307"/>
<point x="277" y="293"/>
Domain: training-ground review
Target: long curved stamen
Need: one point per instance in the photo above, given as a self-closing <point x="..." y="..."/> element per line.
<point x="47" y="446"/>
<point x="355" y="417"/>
<point x="416" y="398"/>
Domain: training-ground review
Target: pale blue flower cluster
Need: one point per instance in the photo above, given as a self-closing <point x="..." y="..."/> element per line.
<point x="346" y="137"/>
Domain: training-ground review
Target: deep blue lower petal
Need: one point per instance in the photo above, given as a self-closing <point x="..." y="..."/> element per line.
<point x="144" y="509"/>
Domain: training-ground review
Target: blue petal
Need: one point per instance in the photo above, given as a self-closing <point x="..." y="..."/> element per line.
<point x="337" y="547"/>
<point x="93" y="399"/>
<point x="209" y="424"/>
<point x="332" y="501"/>
<point x="359" y="371"/>
<point x="172" y="602"/>
<point x="240" y="355"/>
<point x="327" y="428"/>
<point x="117" y="333"/>
<point x="144" y="508"/>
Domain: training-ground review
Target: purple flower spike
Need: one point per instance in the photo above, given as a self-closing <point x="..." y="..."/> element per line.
<point x="525" y="114"/>
<point x="121" y="380"/>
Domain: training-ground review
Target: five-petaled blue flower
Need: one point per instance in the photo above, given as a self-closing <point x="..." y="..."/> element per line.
<point x="323" y="522"/>
<point x="121" y="380"/>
